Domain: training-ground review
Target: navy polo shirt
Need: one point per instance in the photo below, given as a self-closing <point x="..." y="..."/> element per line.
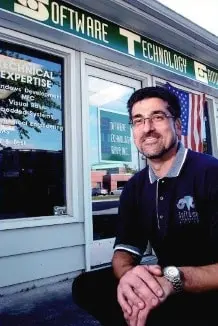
<point x="178" y="214"/>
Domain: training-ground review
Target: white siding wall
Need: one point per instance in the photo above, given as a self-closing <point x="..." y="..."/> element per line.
<point x="34" y="253"/>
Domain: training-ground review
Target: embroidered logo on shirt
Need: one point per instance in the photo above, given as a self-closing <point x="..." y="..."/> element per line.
<point x="187" y="212"/>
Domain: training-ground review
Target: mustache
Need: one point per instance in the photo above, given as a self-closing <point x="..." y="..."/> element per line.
<point x="150" y="134"/>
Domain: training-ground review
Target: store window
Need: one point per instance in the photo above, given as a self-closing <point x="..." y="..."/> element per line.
<point x="32" y="181"/>
<point x="114" y="157"/>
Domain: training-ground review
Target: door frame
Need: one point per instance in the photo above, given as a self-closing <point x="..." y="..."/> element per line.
<point x="129" y="77"/>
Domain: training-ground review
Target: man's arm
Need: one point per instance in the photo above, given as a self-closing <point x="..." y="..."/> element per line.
<point x="122" y="262"/>
<point x="138" y="315"/>
<point x="195" y="279"/>
<point x="200" y="279"/>
<point x="137" y="283"/>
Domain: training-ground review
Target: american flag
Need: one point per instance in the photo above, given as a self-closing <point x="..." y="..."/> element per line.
<point x="192" y="118"/>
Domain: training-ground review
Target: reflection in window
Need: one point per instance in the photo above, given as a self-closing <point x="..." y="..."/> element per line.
<point x="114" y="157"/>
<point x="31" y="133"/>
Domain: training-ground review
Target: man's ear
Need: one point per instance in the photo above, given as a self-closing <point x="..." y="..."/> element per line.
<point x="178" y="127"/>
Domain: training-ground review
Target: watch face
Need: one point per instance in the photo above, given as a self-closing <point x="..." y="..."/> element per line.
<point x="172" y="271"/>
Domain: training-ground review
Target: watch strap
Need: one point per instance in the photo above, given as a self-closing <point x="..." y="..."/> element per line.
<point x="176" y="281"/>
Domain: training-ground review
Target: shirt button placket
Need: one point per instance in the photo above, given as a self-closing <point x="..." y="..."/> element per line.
<point x="161" y="204"/>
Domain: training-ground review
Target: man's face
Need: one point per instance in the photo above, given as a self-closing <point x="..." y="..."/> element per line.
<point x="154" y="137"/>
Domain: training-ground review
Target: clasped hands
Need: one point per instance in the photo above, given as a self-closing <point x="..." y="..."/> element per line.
<point x="140" y="290"/>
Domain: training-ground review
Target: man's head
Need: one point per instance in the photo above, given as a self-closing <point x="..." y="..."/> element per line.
<point x="154" y="113"/>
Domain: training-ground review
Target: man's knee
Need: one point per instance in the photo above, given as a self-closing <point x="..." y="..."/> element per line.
<point x="78" y="289"/>
<point x="93" y="285"/>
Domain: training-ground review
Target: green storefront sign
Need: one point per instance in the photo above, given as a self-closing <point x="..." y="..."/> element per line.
<point x="115" y="137"/>
<point x="72" y="20"/>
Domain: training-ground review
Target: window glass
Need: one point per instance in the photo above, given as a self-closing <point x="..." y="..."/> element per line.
<point x="31" y="132"/>
<point x="114" y="157"/>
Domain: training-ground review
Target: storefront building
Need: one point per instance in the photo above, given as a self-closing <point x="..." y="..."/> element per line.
<point x="67" y="69"/>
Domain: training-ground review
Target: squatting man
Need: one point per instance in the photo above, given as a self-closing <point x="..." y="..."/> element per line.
<point x="173" y="204"/>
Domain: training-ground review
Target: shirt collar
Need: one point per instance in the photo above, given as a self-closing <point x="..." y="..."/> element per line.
<point x="176" y="167"/>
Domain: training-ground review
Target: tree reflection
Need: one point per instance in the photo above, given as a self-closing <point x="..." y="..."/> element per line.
<point x="42" y="101"/>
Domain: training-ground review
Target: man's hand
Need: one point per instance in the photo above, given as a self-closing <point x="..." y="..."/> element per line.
<point x="143" y="313"/>
<point x="139" y="315"/>
<point x="139" y="285"/>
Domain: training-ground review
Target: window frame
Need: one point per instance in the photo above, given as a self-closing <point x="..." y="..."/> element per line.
<point x="70" y="148"/>
<point x="125" y="72"/>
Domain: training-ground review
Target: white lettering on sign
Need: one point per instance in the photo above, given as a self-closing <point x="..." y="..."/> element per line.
<point x="18" y="103"/>
<point x="212" y="76"/>
<point x="117" y="126"/>
<point x="120" y="139"/>
<point x="163" y="56"/>
<point x="63" y="16"/>
<point x="201" y="72"/>
<point x="118" y="150"/>
<point x="131" y="38"/>
<point x="79" y="23"/>
<point x="34" y="9"/>
<point x="41" y="82"/>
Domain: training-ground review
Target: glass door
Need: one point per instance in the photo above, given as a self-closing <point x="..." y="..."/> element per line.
<point x="113" y="156"/>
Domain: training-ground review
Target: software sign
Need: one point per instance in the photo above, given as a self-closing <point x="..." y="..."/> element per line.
<point x="114" y="137"/>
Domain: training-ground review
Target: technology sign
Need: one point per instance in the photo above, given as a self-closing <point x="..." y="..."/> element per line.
<point x="69" y="19"/>
<point x="114" y="137"/>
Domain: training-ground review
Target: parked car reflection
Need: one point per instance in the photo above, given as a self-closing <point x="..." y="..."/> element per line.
<point x="99" y="191"/>
<point x="117" y="192"/>
<point x="28" y="186"/>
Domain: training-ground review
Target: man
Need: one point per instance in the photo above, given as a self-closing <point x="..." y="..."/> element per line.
<point x="173" y="204"/>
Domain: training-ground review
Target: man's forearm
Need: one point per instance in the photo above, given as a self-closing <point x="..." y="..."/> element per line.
<point x="122" y="262"/>
<point x="200" y="279"/>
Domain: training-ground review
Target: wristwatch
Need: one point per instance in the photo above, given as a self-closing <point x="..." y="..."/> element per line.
<point x="174" y="275"/>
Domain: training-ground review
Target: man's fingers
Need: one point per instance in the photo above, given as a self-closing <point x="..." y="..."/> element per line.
<point x="133" y="318"/>
<point x="151" y="299"/>
<point x="154" y="269"/>
<point x="126" y="307"/>
<point x="139" y="286"/>
<point x="142" y="317"/>
<point x="127" y="288"/>
<point x="150" y="281"/>
<point x="126" y="296"/>
<point x="126" y="315"/>
<point x="143" y="314"/>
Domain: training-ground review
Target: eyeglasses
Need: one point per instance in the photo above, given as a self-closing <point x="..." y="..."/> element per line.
<point x="156" y="119"/>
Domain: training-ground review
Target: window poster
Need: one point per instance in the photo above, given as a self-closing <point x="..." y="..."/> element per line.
<point x="31" y="132"/>
<point x="30" y="102"/>
<point x="115" y="137"/>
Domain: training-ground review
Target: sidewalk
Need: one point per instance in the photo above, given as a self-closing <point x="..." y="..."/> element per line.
<point x="49" y="305"/>
<point x="45" y="306"/>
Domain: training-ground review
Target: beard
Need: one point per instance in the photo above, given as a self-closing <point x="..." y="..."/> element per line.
<point x="162" y="151"/>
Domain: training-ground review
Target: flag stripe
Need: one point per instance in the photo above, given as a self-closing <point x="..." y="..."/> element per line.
<point x="192" y="120"/>
<point x="192" y="117"/>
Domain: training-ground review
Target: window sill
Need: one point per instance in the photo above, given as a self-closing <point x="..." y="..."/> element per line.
<point x="21" y="223"/>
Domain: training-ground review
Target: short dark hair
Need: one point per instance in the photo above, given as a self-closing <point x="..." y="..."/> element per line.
<point x="158" y="92"/>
